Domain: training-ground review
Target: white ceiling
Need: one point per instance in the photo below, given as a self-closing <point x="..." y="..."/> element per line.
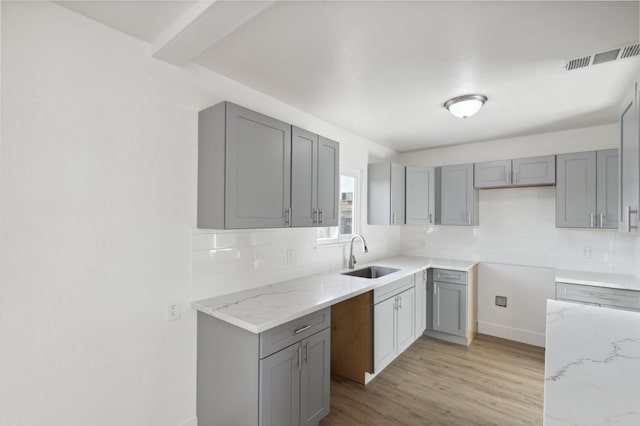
<point x="384" y="69"/>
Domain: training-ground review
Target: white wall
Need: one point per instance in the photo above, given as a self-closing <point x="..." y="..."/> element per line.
<point x="577" y="140"/>
<point x="517" y="234"/>
<point x="98" y="190"/>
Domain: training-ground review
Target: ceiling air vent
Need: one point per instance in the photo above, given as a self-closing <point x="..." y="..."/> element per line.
<point x="578" y="63"/>
<point x="618" y="53"/>
<point x="629" y="51"/>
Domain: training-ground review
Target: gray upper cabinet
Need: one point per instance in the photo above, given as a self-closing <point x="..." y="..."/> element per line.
<point x="457" y="196"/>
<point x="385" y="201"/>
<point x="587" y="190"/>
<point x="518" y="172"/>
<point x="629" y="165"/>
<point x="314" y="179"/>
<point x="328" y="182"/>
<point x="255" y="172"/>
<point x="607" y="189"/>
<point x="244" y="169"/>
<point x="420" y="195"/>
<point x="534" y="171"/>
<point x="304" y="181"/>
<point x="492" y="174"/>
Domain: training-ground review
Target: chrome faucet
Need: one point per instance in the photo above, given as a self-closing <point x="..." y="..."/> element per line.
<point x="352" y="258"/>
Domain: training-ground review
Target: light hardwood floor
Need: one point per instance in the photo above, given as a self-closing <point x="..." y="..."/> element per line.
<point x="492" y="382"/>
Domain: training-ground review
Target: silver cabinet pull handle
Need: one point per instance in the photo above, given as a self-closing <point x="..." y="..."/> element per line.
<point x="400" y="301"/>
<point x="287" y="216"/>
<point x="435" y="290"/>
<point x="430" y="217"/>
<point x="300" y="330"/>
<point x="320" y="216"/>
<point x="469" y="218"/>
<point x="593" y="220"/>
<point x="601" y="220"/>
<point x="306" y="353"/>
<point x="628" y="211"/>
<point x="315" y="216"/>
<point x="393" y="218"/>
<point x="299" y="357"/>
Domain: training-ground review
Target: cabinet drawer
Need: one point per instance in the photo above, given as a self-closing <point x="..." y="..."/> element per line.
<point x="391" y="289"/>
<point x="287" y="334"/>
<point x="612" y="297"/>
<point x="449" y="276"/>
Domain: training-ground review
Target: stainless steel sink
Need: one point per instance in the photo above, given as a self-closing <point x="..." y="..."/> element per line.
<point x="371" y="272"/>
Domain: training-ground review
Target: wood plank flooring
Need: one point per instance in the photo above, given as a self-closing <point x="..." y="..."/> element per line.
<point x="492" y="382"/>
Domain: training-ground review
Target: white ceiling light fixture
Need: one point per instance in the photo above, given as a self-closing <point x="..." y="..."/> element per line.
<point x="465" y="106"/>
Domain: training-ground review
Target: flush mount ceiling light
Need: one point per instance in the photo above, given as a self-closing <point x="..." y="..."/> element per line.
<point x="465" y="106"/>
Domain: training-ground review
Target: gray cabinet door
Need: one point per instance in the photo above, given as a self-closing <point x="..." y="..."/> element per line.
<point x="420" y="278"/>
<point x="328" y="182"/>
<point x="405" y="319"/>
<point x="420" y="195"/>
<point x="397" y="194"/>
<point x="629" y="163"/>
<point x="279" y="393"/>
<point x="534" y="171"/>
<point x="258" y="170"/>
<point x="315" y="377"/>
<point x="304" y="177"/>
<point x="607" y="189"/>
<point x="450" y="308"/>
<point x="492" y="174"/>
<point x="458" y="198"/>
<point x="576" y="190"/>
<point x="384" y="333"/>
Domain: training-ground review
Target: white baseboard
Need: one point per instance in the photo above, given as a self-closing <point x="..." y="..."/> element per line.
<point x="191" y="422"/>
<point x="510" y="333"/>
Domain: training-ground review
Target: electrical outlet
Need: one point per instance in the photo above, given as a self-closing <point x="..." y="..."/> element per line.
<point x="501" y="301"/>
<point x="586" y="252"/>
<point x="173" y="313"/>
<point x="291" y="257"/>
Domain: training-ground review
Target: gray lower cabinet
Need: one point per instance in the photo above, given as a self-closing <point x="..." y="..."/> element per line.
<point x="420" y="195"/>
<point x="386" y="194"/>
<point x="278" y="377"/>
<point x="587" y="190"/>
<point x="449" y="308"/>
<point x="598" y="296"/>
<point x="519" y="172"/>
<point x="452" y="297"/>
<point x="629" y="173"/>
<point x="255" y="172"/>
<point x="315" y="180"/>
<point x="294" y="383"/>
<point x="457" y="197"/>
<point x="393" y="329"/>
<point x="420" y="279"/>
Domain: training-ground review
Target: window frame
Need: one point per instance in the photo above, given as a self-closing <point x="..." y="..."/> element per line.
<point x="356" y="174"/>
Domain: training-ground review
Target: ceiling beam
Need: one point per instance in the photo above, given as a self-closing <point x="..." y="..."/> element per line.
<point x="202" y="26"/>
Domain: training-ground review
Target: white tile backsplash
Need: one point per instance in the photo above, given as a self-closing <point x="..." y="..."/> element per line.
<point x="226" y="261"/>
<point x="517" y="227"/>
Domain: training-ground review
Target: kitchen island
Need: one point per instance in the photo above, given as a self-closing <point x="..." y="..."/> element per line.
<point x="592" y="366"/>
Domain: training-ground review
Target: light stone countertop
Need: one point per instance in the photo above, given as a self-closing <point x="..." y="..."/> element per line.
<point x="262" y="308"/>
<point x="592" y="366"/>
<point x="598" y="279"/>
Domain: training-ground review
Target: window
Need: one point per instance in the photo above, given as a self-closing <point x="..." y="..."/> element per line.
<point x="348" y="215"/>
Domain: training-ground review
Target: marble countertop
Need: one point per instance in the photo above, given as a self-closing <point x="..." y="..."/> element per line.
<point x="599" y="279"/>
<point x="592" y="366"/>
<point x="262" y="308"/>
